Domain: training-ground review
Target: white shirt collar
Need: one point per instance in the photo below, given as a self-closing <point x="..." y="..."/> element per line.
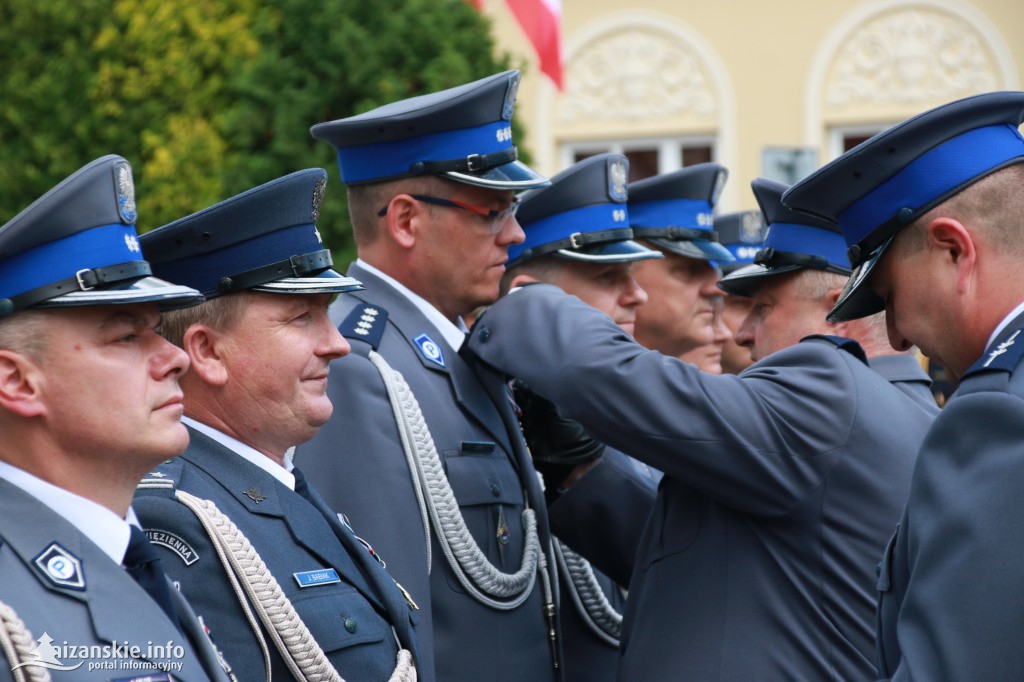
<point x="281" y="473"/>
<point x="1006" y="320"/>
<point x="454" y="334"/>
<point x="104" y="528"/>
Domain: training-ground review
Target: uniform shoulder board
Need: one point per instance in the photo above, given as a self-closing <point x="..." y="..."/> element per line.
<point x="1001" y="357"/>
<point x="164" y="477"/>
<point x="842" y="343"/>
<point x="365" y="323"/>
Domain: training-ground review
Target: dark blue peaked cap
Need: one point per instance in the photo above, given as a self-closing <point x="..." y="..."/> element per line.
<point x="675" y="211"/>
<point x="882" y="185"/>
<point x="77" y="246"/>
<point x="264" y="239"/>
<point x="794" y="241"/>
<point x="742" y="232"/>
<point x="464" y="134"/>
<point x="582" y="215"/>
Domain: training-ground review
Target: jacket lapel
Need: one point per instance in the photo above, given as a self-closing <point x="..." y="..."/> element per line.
<point x="263" y="495"/>
<point x="412" y="325"/>
<point x="118" y="607"/>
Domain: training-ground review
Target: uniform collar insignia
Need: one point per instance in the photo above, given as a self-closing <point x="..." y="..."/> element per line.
<point x="254" y="495"/>
<point x="430" y="350"/>
<point x="1001" y="348"/>
<point x="60" y="567"/>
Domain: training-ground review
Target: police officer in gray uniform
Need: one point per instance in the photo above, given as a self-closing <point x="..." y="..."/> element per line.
<point x="742" y="233"/>
<point x="932" y="213"/>
<point x="89" y="402"/>
<point x="674" y="213"/>
<point x="587" y="201"/>
<point x="781" y="484"/>
<point x="284" y="585"/>
<point x="430" y="462"/>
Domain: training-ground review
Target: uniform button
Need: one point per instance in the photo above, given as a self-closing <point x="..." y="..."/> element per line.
<point x="351" y="625"/>
<point x="485" y="333"/>
<point x="495" y="490"/>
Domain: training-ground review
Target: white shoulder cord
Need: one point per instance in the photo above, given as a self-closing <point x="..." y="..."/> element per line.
<point x="480" y="578"/>
<point x="590" y="600"/>
<point x="17" y="644"/>
<point x="303" y="656"/>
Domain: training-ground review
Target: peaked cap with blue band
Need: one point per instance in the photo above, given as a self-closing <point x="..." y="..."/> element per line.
<point x="882" y="185"/>
<point x="742" y="232"/>
<point x="794" y="241"/>
<point x="581" y="216"/>
<point x="264" y="239"/>
<point x="675" y="211"/>
<point x="76" y="246"/>
<point x="463" y="133"/>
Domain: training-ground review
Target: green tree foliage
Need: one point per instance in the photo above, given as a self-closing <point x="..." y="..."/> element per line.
<point x="208" y="98"/>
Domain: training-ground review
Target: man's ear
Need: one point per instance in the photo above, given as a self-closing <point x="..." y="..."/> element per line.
<point x="21" y="387"/>
<point x="402" y="219"/>
<point x="956" y="245"/>
<point x="205" y="350"/>
<point x="835" y="328"/>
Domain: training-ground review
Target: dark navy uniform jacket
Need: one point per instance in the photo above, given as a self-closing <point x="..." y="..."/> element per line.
<point x="951" y="583"/>
<point x="582" y="518"/>
<point x="781" y="488"/>
<point x="351" y="619"/>
<point x="107" y="606"/>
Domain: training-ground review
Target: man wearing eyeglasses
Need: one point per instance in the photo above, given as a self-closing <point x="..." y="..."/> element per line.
<point x="429" y="463"/>
<point x="781" y="485"/>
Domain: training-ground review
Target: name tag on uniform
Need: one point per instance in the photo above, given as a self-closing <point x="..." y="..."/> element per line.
<point x="324" y="576"/>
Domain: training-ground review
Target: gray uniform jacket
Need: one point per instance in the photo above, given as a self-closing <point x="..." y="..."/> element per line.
<point x="357" y="463"/>
<point x="340" y="591"/>
<point x="781" y="488"/>
<point x="952" y="580"/>
<point x="97" y="604"/>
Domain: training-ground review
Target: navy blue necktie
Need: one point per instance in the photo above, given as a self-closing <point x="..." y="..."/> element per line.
<point x="143" y="564"/>
<point x="301" y="487"/>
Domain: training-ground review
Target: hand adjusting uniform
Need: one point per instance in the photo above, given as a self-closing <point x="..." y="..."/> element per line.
<point x="775" y="496"/>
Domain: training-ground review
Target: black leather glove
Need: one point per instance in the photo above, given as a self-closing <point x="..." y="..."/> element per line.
<point x="558" y="445"/>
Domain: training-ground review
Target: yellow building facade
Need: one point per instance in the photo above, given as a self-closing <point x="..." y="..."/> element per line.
<point x="771" y="89"/>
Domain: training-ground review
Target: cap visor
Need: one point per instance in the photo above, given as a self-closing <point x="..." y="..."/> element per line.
<point x="515" y="175"/>
<point x="702" y="249"/>
<point x="744" y="282"/>
<point x="144" y="290"/>
<point x="625" y="251"/>
<point x="327" y="282"/>
<point x="857" y="300"/>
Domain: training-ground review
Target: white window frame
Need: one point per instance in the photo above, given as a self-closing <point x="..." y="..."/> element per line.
<point x="837" y="134"/>
<point x="670" y="149"/>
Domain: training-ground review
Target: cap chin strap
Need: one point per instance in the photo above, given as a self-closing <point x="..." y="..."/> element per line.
<point x="85" y="279"/>
<point x="675" y="233"/>
<point x="773" y="258"/>
<point x="474" y="163"/>
<point x="576" y="241"/>
<point x="303" y="265"/>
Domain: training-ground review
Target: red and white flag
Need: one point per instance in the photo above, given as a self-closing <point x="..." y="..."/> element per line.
<point x="542" y="22"/>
